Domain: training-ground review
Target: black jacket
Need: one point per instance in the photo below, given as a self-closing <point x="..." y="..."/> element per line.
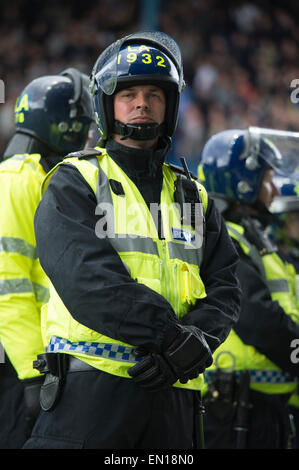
<point x="91" y="279"/>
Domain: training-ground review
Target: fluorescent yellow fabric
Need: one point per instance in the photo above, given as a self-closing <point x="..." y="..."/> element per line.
<point x="23" y="284"/>
<point x="176" y="279"/>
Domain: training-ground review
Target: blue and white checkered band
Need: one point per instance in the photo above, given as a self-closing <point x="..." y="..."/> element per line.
<point x="261" y="376"/>
<point x="116" y="352"/>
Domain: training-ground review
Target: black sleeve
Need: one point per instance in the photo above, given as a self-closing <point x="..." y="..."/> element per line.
<point x="217" y="313"/>
<point x="263" y="323"/>
<point x="87" y="272"/>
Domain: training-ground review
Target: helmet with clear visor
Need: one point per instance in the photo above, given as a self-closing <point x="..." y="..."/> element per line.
<point x="233" y="161"/>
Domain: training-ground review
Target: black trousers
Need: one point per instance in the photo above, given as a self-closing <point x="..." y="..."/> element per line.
<point x="268" y="424"/>
<point x="295" y="412"/>
<point x="14" y="426"/>
<point x="97" y="410"/>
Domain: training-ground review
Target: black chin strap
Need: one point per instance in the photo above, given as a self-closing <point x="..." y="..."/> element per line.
<point x="142" y="131"/>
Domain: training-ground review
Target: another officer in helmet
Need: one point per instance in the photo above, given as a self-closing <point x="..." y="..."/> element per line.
<point x="52" y="116"/>
<point x="286" y="234"/>
<point x="253" y="374"/>
<point x="138" y="302"/>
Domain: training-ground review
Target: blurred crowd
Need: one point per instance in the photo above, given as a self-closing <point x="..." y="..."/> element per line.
<point x="240" y="57"/>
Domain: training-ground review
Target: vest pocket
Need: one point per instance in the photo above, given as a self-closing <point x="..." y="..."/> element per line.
<point x="191" y="285"/>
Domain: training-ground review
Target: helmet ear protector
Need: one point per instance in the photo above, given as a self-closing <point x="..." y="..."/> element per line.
<point x="139" y="59"/>
<point x="77" y="79"/>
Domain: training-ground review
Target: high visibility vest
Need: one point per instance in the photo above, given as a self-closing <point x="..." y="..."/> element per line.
<point x="170" y="267"/>
<point x="23" y="283"/>
<point x="265" y="376"/>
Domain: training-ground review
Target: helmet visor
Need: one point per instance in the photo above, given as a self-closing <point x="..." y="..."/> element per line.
<point x="112" y="64"/>
<point x="281" y="151"/>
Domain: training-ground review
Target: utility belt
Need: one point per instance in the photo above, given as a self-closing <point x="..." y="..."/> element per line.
<point x="226" y="385"/>
<point x="230" y="398"/>
<point x="56" y="366"/>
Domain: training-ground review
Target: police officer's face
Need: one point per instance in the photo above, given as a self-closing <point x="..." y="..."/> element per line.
<point x="268" y="189"/>
<point x="140" y="104"/>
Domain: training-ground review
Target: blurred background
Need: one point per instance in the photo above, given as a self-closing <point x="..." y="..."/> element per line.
<point x="240" y="57"/>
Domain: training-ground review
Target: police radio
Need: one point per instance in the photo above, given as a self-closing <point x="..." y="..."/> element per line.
<point x="187" y="193"/>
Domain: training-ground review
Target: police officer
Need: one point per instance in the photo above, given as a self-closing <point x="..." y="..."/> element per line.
<point x="138" y="300"/>
<point x="52" y="116"/>
<point x="286" y="234"/>
<point x="253" y="374"/>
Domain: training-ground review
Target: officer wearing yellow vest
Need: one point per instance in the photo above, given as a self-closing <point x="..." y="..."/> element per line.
<point x="52" y="116"/>
<point x="253" y="374"/>
<point x="141" y="292"/>
<point x="286" y="234"/>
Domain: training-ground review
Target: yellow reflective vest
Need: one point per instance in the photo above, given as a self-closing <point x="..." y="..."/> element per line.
<point x="265" y="376"/>
<point x="23" y="284"/>
<point x="170" y="267"/>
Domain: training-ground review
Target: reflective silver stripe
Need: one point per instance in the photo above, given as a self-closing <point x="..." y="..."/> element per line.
<point x="122" y="243"/>
<point x="252" y="253"/>
<point x="103" y="193"/>
<point x="17" y="157"/>
<point x="115" y="352"/>
<point x="278" y="285"/>
<point x="15" y="286"/>
<point x="41" y="292"/>
<point x="189" y="255"/>
<point x="22" y="286"/>
<point x="20" y="157"/>
<point x="94" y="161"/>
<point x="18" y="245"/>
<point x="261" y="376"/>
<point x="275" y="285"/>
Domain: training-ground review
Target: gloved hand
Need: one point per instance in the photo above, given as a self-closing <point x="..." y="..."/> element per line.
<point x="185" y="355"/>
<point x="153" y="373"/>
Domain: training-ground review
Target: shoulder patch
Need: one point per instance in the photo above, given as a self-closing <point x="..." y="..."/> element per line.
<point x="86" y="153"/>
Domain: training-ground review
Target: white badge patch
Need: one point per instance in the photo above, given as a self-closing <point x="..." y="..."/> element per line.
<point x="180" y="235"/>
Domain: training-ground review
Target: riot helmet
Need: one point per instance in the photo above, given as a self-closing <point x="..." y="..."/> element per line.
<point x="56" y="110"/>
<point x="233" y="161"/>
<point x="142" y="58"/>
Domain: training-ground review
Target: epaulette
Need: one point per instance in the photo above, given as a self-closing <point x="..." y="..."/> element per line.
<point x="86" y="153"/>
<point x="180" y="170"/>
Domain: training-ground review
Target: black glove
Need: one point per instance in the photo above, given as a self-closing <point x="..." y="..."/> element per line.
<point x="185" y="355"/>
<point x="152" y="373"/>
<point x="187" y="352"/>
